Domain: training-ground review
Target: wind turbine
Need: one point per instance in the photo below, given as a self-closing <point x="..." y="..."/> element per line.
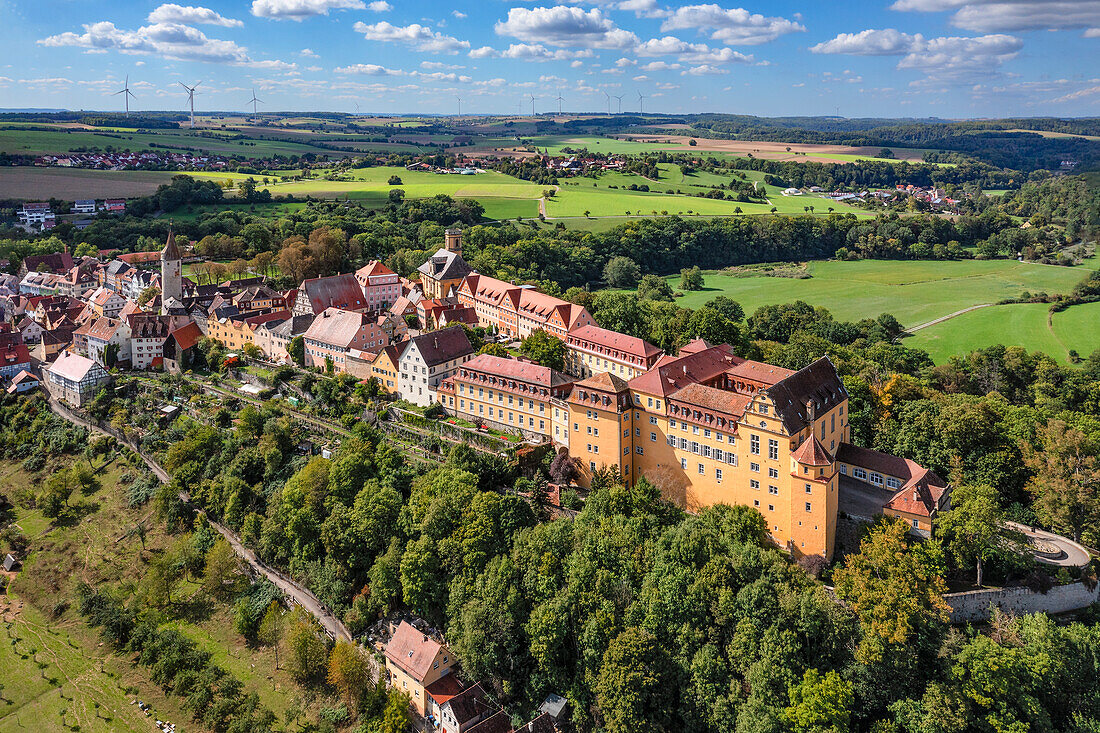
<point x="191" y="100"/>
<point x="533" y="98"/>
<point x="252" y="101"/>
<point x="560" y="98"/>
<point x="459" y="106"/>
<point x="620" y="98"/>
<point x="641" y="101"/>
<point x="125" y="91"/>
<point x="608" y="102"/>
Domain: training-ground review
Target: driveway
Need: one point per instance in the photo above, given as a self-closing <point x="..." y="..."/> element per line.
<point x="1073" y="555"/>
<point x="861" y="500"/>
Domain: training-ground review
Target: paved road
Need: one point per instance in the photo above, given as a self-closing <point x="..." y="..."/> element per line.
<point x="1073" y="555"/>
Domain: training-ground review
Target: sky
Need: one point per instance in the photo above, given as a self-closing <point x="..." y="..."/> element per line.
<point x="860" y="58"/>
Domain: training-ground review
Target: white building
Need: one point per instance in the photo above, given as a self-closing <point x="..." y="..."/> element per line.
<point x="429" y="359"/>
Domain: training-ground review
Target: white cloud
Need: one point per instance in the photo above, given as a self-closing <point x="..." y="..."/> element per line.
<point x="420" y="37"/>
<point x="640" y="77"/>
<point x="732" y="25"/>
<point x="576" y="64"/>
<point x="439" y="65"/>
<point x="943" y="58"/>
<point x="379" y="6"/>
<point x="987" y="16"/>
<point x="484" y="52"/>
<point x="704" y="70"/>
<point x="369" y="70"/>
<point x="314" y="68"/>
<point x="1080" y="94"/>
<point x="308" y="53"/>
<point x="717" y="56"/>
<point x="659" y="66"/>
<point x="458" y="14"/>
<point x="498" y="82"/>
<point x="299" y="10"/>
<point x="624" y="61"/>
<point x="565" y="26"/>
<point x="692" y="53"/>
<point x="643" y="8"/>
<point x="888" y="42"/>
<point x="1091" y="33"/>
<point x="530" y="52"/>
<point x="167" y="40"/>
<point x="173" y="13"/>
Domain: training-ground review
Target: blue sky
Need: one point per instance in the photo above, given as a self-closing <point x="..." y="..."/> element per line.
<point x="889" y="58"/>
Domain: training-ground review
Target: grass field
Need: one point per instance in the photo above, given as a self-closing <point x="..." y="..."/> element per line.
<point x="77" y="183"/>
<point x="913" y="291"/>
<point x="370" y="185"/>
<point x="1021" y="324"/>
<point x="69" y="658"/>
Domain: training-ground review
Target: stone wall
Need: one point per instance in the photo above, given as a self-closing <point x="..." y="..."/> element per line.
<point x="976" y="605"/>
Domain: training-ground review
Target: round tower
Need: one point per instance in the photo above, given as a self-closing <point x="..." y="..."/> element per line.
<point x="171" y="273"/>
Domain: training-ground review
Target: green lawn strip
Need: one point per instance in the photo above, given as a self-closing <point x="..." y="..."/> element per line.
<point x="1078" y="328"/>
<point x="1017" y="324"/>
<point x="913" y="291"/>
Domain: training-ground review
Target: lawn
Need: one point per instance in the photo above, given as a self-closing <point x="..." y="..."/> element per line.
<point x="272" y="210"/>
<point x="370" y="185"/>
<point x="1078" y="328"/>
<point x="33" y="184"/>
<point x="913" y="291"/>
<point x="1018" y="324"/>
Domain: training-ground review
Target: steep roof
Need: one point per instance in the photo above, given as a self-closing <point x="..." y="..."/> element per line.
<point x="712" y="398"/>
<point x="293" y="326"/>
<point x="673" y="373"/>
<point x="73" y="366"/>
<point x="335" y="291"/>
<point x="921" y="498"/>
<point x="497" y="723"/>
<point x="614" y="340"/>
<point x="171" y="251"/>
<point x="818" y="384"/>
<point x="148" y="326"/>
<point x="372" y="269"/>
<point x="907" y="471"/>
<point x="412" y="650"/>
<point x="812" y="453"/>
<point x="469" y="704"/>
<point x="444" y="265"/>
<point x="56" y="262"/>
<point x="604" y="381"/>
<point x="186" y="336"/>
<point x="104" y="329"/>
<point x="337" y="327"/>
<point x="443" y="345"/>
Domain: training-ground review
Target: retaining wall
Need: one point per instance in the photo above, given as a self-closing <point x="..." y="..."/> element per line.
<point x="976" y="605"/>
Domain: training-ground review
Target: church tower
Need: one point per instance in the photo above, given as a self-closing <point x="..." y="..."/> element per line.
<point x="171" y="273"/>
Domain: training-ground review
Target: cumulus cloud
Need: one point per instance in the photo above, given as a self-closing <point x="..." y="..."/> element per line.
<point x="167" y="40"/>
<point x="945" y="58"/>
<point x="380" y="6"/>
<point x="660" y="66"/>
<point x="299" y="10"/>
<point x="731" y="25"/>
<point x="565" y="26"/>
<point x="1079" y="94"/>
<point x="643" y="8"/>
<point x="308" y="53"/>
<point x="530" y="52"/>
<point x="458" y="14"/>
<point x="173" y="13"/>
<point x="888" y="42"/>
<point x="378" y="70"/>
<point x="987" y="16"/>
<point x="704" y="70"/>
<point x="420" y="37"/>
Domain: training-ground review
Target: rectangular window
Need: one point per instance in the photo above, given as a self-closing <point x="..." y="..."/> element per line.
<point x="683" y="444"/>
<point x="706" y="433"/>
<point x="809" y="489"/>
<point x="771" y="507"/>
<point x="672" y="440"/>
<point x="718" y="474"/>
<point x="860" y="473"/>
<point x="589" y="428"/>
<point x="702" y="470"/>
<point x="706" y="451"/>
<point x="683" y="463"/>
<point x="773" y="490"/>
<point x="808" y="507"/>
<point x="876" y="479"/>
<point x="773" y="449"/>
<point x="756" y="502"/>
<point x="731" y="458"/>
<point x="892" y="483"/>
<point x="754" y="445"/>
<point x="719" y="454"/>
<point x="754" y="484"/>
<point x="694" y="429"/>
<point x="763" y="409"/>
<point x="773" y="473"/>
<point x="653" y="437"/>
<point x="576" y="427"/>
<point x="754" y="467"/>
<point x="638" y="432"/>
<point x="639" y="450"/>
<point x="652" y="420"/>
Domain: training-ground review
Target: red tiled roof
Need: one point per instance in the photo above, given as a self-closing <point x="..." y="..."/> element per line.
<point x="614" y="340"/>
<point x="470" y="704"/>
<point x="412" y="650"/>
<point x="812" y="453"/>
<point x="337" y="327"/>
<point x="336" y="291"/>
<point x="521" y="371"/>
<point x="907" y="471"/>
<point x="186" y="336"/>
<point x="673" y="373"/>
<point x="373" y="268"/>
<point x="604" y="381"/>
<point x="443" y="689"/>
<point x="498" y="723"/>
<point x="712" y="398"/>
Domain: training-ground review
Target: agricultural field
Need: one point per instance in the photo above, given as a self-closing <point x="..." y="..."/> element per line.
<point x="77" y="183"/>
<point x="638" y="144"/>
<point x="62" y="140"/>
<point x="915" y="292"/>
<point x="370" y="186"/>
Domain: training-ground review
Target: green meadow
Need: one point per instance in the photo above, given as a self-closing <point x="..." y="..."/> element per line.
<point x="913" y="291"/>
<point x="60" y="140"/>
